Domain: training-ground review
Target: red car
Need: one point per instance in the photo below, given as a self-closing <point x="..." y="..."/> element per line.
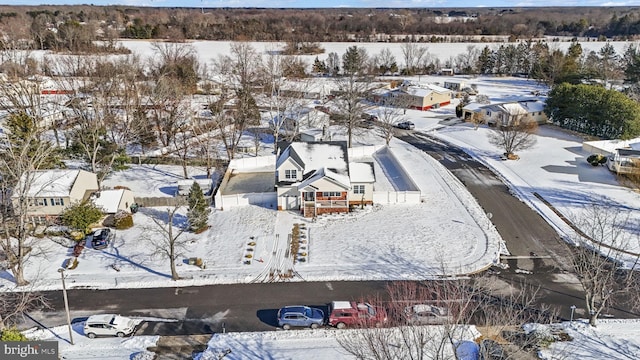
<point x="355" y="314"/>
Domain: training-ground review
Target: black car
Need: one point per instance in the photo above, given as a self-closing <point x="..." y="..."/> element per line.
<point x="101" y="238"/>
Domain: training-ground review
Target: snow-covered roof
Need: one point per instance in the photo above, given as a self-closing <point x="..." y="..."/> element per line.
<point x="324" y="173"/>
<point x="108" y="200"/>
<point x="425" y="89"/>
<point x="56" y="182"/>
<point x="316" y="155"/>
<point x="361" y="172"/>
<point x="611" y="146"/>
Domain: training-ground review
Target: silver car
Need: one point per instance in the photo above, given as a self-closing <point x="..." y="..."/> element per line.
<point x="108" y="325"/>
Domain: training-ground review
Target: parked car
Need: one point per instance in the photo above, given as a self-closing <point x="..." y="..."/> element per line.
<point x="300" y="316"/>
<point x="406" y="125"/>
<point x="358" y="314"/>
<point x="423" y="314"/>
<point x="101" y="238"/>
<point x="108" y="325"/>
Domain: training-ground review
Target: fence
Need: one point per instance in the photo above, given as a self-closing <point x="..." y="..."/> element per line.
<point x="396" y="197"/>
<point x="267" y="199"/>
<point x="161" y="201"/>
<point x="253" y="162"/>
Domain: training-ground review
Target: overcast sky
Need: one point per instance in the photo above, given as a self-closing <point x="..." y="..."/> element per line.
<point x="330" y="3"/>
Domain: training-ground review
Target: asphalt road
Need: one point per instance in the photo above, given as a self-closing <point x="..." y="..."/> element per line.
<point x="204" y="309"/>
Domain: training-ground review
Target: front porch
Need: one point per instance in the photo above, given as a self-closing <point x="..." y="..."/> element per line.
<point x="317" y="203"/>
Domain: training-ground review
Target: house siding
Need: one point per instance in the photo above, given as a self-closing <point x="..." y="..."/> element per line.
<point x="358" y="199"/>
<point x="86" y="183"/>
<point x="289" y="165"/>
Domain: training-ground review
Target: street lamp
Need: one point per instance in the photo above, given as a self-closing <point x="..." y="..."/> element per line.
<point x="66" y="304"/>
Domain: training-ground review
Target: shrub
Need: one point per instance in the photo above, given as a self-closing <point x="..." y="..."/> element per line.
<point x="12" y="334"/>
<point x="80" y="216"/>
<point x="596" y="159"/>
<point x="122" y="220"/>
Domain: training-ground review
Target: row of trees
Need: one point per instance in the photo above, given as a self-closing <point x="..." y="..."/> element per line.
<point x="594" y="110"/>
<point x="57" y="27"/>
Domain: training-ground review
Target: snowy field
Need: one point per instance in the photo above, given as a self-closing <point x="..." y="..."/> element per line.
<point x="208" y="51"/>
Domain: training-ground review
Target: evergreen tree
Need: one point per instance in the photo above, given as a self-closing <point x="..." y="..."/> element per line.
<point x="632" y="64"/>
<point x="485" y="61"/>
<point x="199" y="210"/>
<point x="319" y="66"/>
<point x="81" y="215"/>
<point x="25" y="137"/>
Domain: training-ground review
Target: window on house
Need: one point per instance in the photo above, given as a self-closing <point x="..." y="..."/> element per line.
<point x="488" y="113"/>
<point x="57" y="202"/>
<point x="358" y="189"/>
<point x="331" y="194"/>
<point x="291" y="174"/>
<point x="41" y="202"/>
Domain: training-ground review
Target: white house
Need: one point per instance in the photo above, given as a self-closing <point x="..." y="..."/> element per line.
<point x="504" y="113"/>
<point x="50" y="192"/>
<point x="114" y="200"/>
<point x="317" y="178"/>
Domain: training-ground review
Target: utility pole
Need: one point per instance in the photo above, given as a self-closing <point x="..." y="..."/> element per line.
<point x="66" y="304"/>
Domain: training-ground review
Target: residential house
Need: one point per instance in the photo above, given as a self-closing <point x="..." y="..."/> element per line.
<point x="455" y="85"/>
<point x="504" y="113"/>
<point x="421" y="96"/>
<point x="317" y="178"/>
<point x="113" y="200"/>
<point x="50" y="192"/>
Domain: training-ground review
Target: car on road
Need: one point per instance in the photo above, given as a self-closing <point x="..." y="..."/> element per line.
<point x="355" y="314"/>
<point x="101" y="238"/>
<point x="108" y="325"/>
<point x="406" y="125"/>
<point x="300" y="316"/>
<point x="423" y="314"/>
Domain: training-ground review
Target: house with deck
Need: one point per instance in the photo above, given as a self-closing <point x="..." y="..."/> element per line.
<point x="317" y="178"/>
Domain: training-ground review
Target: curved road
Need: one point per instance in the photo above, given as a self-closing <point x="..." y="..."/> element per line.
<point x="524" y="231"/>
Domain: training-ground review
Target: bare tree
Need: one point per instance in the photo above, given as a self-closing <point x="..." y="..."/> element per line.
<point x="515" y="133"/>
<point x="388" y="118"/>
<point x="607" y="271"/>
<point x="168" y="243"/>
<point x="285" y="98"/>
<point x="241" y="72"/>
<point x="14" y="305"/>
<point x="413" y="54"/>
<point x="453" y="303"/>
<point x="25" y="150"/>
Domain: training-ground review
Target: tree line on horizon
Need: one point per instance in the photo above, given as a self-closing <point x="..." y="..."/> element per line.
<point x="73" y="27"/>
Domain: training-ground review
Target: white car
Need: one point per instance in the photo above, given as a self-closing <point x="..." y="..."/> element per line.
<point x="108" y="325"/>
<point x="423" y="314"/>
